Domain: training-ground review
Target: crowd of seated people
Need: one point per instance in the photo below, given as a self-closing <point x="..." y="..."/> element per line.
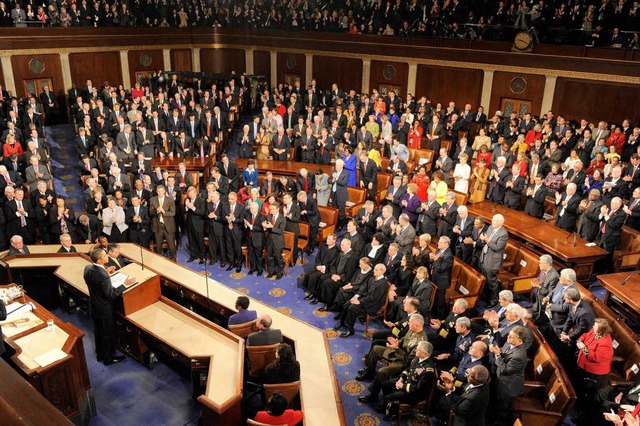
<point x="607" y="24"/>
<point x="510" y="161"/>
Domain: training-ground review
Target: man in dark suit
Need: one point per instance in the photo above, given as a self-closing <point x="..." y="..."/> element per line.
<point x="265" y="334"/>
<point x="280" y="144"/>
<point x="463" y="229"/>
<point x="84" y="144"/>
<point x="368" y="300"/>
<point x="66" y="244"/>
<point x="365" y="219"/>
<point x="449" y="216"/>
<point x="291" y="212"/>
<point x="306" y="182"/>
<point x="510" y="363"/>
<point x="215" y="226"/>
<point x="554" y="303"/>
<point x="498" y="179"/>
<point x="495" y="241"/>
<point x="20" y="217"/>
<point x="275" y="224"/>
<point x="577" y="176"/>
<point x="101" y="297"/>
<point x="368" y="175"/>
<point x="392" y="263"/>
<point x="441" y="269"/>
<point x="614" y="186"/>
<point x="233" y="213"/>
<point x="137" y="217"/>
<point x="395" y="192"/>
<point x="195" y="208"/>
<point x="255" y="238"/>
<point x="514" y="186"/>
<point x="9" y="178"/>
<point x="568" y="208"/>
<point x="580" y="317"/>
<point x="116" y="260"/>
<point x="611" y="222"/>
<point x="183" y="145"/>
<point x="428" y="215"/>
<point x="230" y="170"/>
<point x="269" y="185"/>
<point x="536" y="194"/>
<point x="309" y="213"/>
<point x="589" y="222"/>
<point x="339" y="195"/>
<point x="244" y="142"/>
<point x="470" y="405"/>
<point x="433" y="133"/>
<point x="633" y="210"/>
<point x="220" y="183"/>
<point x="17" y="246"/>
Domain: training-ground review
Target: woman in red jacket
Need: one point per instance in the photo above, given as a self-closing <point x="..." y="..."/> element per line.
<point x="277" y="413"/>
<point x="415" y="136"/>
<point x="12" y="147"/>
<point x="595" y="352"/>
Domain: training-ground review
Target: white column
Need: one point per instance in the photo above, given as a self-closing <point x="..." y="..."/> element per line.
<point x="124" y="68"/>
<point x="195" y="59"/>
<point x="248" y="61"/>
<point x="366" y="75"/>
<point x="166" y="58"/>
<point x="274" y="68"/>
<point x="549" y="91"/>
<point x="66" y="71"/>
<point x="308" y="69"/>
<point x="411" y="80"/>
<point x="487" y="86"/>
<point x="7" y="70"/>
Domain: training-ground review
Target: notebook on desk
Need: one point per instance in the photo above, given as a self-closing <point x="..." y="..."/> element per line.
<point x="119" y="279"/>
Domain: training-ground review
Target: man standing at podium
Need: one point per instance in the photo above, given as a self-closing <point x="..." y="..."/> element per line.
<point x="101" y="297"/>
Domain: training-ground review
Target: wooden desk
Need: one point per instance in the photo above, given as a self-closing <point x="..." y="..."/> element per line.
<point x="21" y="404"/>
<point x="64" y="382"/>
<point x="287" y="168"/>
<point x="198" y="164"/>
<point x="547" y="238"/>
<point x="622" y="299"/>
<point x="319" y="393"/>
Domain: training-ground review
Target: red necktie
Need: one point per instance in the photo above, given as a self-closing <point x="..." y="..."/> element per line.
<point x="273" y="220"/>
<point x="306" y="185"/>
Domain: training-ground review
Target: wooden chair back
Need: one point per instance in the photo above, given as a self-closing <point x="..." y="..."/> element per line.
<point x="291" y="391"/>
<point x="260" y="357"/>
<point x="244" y="329"/>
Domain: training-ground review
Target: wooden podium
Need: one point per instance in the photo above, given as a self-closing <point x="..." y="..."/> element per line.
<point x="51" y="359"/>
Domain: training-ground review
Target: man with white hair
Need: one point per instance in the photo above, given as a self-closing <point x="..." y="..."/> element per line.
<point x="498" y="179"/>
<point x="611" y="222"/>
<point x="568" y="208"/>
<point x="463" y="229"/>
<point x="9" y="178"/>
<point x="280" y="144"/>
<point x="555" y="304"/>
<point x="492" y="255"/>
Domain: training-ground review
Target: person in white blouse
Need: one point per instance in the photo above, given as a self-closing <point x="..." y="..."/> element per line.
<point x="386" y="129"/>
<point x="461" y="174"/>
<point x="113" y="222"/>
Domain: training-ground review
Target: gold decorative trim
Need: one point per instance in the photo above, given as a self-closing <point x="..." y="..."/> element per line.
<point x="611" y="78"/>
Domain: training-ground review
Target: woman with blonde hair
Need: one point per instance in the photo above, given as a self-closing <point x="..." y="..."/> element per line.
<point x="461" y="174"/>
<point x="440" y="186"/>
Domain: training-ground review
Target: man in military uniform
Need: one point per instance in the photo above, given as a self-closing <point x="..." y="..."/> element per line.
<point x="398" y="329"/>
<point x="397" y="352"/>
<point x="445" y="335"/>
<point x="463" y="342"/>
<point x="414" y="383"/>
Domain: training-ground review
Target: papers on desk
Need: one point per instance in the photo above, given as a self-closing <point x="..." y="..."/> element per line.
<point x="590" y="244"/>
<point x="422" y="161"/>
<point x="19" y="319"/>
<point x="118" y="279"/>
<point x="50" y="357"/>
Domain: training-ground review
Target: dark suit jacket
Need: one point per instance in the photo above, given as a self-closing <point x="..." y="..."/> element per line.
<point x="427" y="219"/>
<point x="169" y="207"/>
<point x="568" y="220"/>
<point x="121" y="260"/>
<point x="341" y="194"/>
<point x="393" y="267"/>
<point x="580" y="321"/>
<point x="276" y="234"/>
<point x="267" y="336"/>
<point x="512" y="195"/>
<point x="72" y="249"/>
<point x="589" y="223"/>
<point x="510" y="368"/>
<point x="441" y="270"/>
<point x="256" y="234"/>
<point x="611" y="238"/>
<point x="101" y="292"/>
<point x="13" y="251"/>
<point x="535" y="202"/>
<point x="470" y="407"/>
<point x="422" y="291"/>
